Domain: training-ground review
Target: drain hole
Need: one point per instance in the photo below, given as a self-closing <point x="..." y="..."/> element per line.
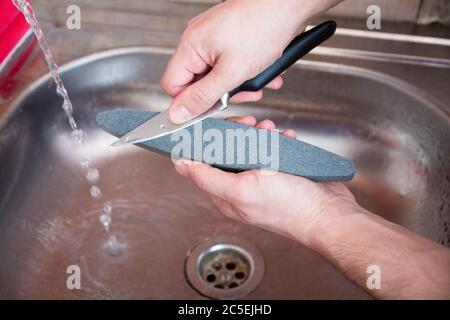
<point x="233" y="285"/>
<point x="224" y="267"/>
<point x="230" y="266"/>
<point x="211" y="278"/>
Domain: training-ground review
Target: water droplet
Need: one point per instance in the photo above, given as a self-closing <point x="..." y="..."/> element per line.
<point x="20" y="3"/>
<point x="85" y="163"/>
<point x="72" y="123"/>
<point x="95" y="192"/>
<point x="92" y="175"/>
<point x="115" y="247"/>
<point x="107" y="208"/>
<point x="79" y="135"/>
<point x="67" y="106"/>
<point x="105" y="217"/>
<point x="53" y="66"/>
<point x="105" y="220"/>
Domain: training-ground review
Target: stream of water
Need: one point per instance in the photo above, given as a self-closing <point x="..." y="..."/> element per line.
<point x="92" y="174"/>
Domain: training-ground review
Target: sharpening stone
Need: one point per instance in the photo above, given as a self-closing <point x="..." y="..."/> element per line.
<point x="295" y="157"/>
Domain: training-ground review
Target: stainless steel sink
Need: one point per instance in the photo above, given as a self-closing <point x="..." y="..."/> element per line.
<point x="396" y="134"/>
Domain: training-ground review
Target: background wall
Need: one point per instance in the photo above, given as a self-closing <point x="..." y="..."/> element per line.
<point x="398" y="10"/>
<point x="421" y="11"/>
<point x="165" y="12"/>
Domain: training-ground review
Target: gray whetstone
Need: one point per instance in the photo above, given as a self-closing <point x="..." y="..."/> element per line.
<point x="295" y="157"/>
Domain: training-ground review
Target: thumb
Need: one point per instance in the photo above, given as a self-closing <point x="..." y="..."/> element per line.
<point x="203" y="94"/>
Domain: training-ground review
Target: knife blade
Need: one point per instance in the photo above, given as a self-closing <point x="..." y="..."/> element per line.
<point x="161" y="125"/>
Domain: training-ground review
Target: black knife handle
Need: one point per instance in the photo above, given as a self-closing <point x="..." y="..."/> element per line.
<point x="300" y="46"/>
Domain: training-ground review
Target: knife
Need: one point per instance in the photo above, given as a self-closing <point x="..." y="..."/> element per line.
<point x="160" y="125"/>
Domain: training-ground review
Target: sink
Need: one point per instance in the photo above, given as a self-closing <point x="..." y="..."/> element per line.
<point x="396" y="134"/>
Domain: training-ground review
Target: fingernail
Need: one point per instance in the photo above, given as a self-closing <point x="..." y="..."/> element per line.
<point x="180" y="115"/>
<point x="181" y="168"/>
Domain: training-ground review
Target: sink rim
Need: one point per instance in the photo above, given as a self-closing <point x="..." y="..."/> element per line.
<point x="145" y="54"/>
<point x="401" y="85"/>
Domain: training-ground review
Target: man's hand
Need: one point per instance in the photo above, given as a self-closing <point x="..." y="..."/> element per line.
<point x="229" y="44"/>
<point x="233" y="42"/>
<point x="278" y="202"/>
<point x="326" y="218"/>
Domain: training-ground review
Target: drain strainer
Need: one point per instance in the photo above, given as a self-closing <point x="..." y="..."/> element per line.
<point x="224" y="267"/>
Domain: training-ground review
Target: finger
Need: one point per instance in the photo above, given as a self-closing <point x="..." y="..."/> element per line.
<point x="247" y="96"/>
<point x="266" y="124"/>
<point x="276" y="83"/>
<point x="182" y="69"/>
<point x="290" y="133"/>
<point x="246" y="120"/>
<point x="201" y="95"/>
<point x="211" y="180"/>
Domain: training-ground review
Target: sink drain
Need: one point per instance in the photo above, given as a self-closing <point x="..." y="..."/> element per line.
<point x="224" y="267"/>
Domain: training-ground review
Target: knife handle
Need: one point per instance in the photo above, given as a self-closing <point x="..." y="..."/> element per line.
<point x="300" y="46"/>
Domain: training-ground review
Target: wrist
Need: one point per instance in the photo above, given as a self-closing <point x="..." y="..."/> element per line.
<point x="307" y="10"/>
<point x="323" y="229"/>
<point x="294" y="15"/>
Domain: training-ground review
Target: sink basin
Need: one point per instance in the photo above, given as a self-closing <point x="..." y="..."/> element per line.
<point x="396" y="135"/>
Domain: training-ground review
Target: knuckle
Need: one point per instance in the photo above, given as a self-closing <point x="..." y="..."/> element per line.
<point x="186" y="36"/>
<point x="200" y="100"/>
<point x="240" y="71"/>
<point x="164" y="83"/>
<point x="190" y="37"/>
<point x="168" y="85"/>
<point x="168" y="79"/>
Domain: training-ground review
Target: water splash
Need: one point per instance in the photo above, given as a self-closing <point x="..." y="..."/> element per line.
<point x="95" y="192"/>
<point x="105" y="218"/>
<point x="115" y="247"/>
<point x="92" y="174"/>
<point x="85" y="164"/>
<point x="30" y="16"/>
<point x="79" y="135"/>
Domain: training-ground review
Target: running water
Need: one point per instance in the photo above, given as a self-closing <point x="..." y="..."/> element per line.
<point x="29" y="15"/>
<point x="92" y="174"/>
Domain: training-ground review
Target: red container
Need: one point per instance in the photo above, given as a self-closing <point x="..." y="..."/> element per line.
<point x="12" y="28"/>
